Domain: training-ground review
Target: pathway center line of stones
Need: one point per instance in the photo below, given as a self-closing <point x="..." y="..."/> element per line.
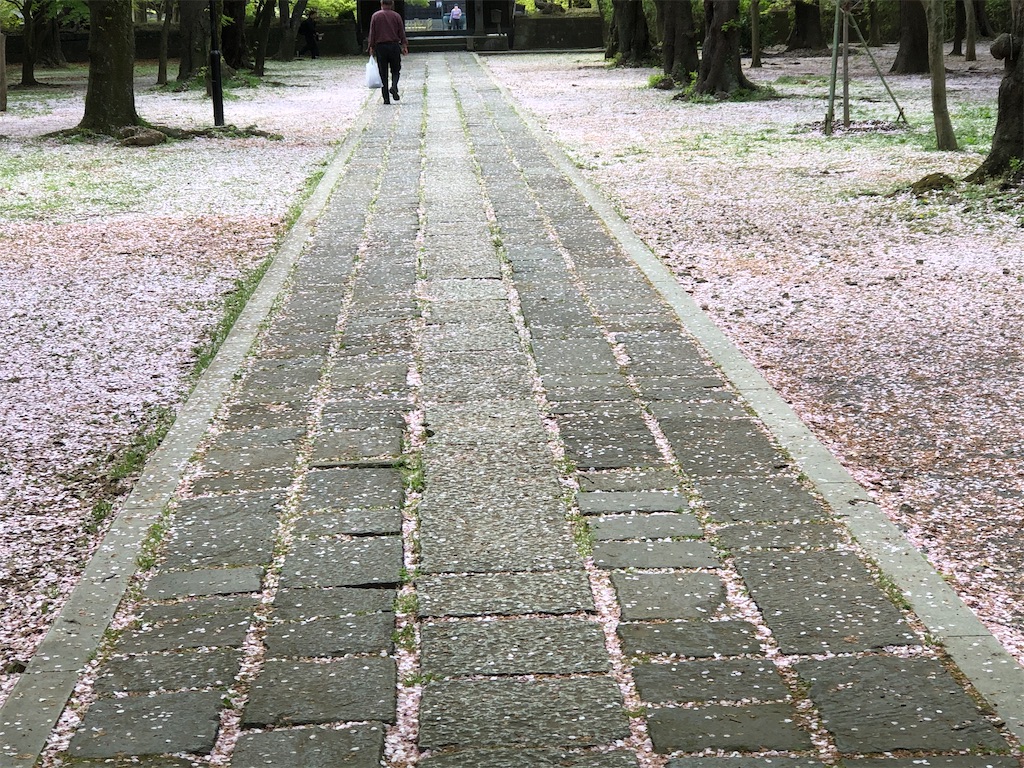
<point x="38" y="698"/>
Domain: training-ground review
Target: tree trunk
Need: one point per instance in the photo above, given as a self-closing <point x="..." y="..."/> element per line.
<point x="287" y="50"/>
<point x="47" y="43"/>
<point x="755" y="34"/>
<point x="165" y="34"/>
<point x="945" y="138"/>
<point x="264" y="20"/>
<point x="233" y="44"/>
<point x="807" y="32"/>
<point x="28" y="42"/>
<point x="3" y="71"/>
<point x="874" y="25"/>
<point x="631" y="32"/>
<point x="194" y="28"/>
<point x="110" y="94"/>
<point x="720" y="70"/>
<point x="679" y="39"/>
<point x="912" y="56"/>
<point x="971" y="22"/>
<point x="1006" y="157"/>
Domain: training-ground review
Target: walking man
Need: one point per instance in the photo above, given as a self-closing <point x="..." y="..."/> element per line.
<point x="388" y="43"/>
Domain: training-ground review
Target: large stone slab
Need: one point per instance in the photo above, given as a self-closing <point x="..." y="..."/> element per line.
<point x="717" y="680"/>
<point x="668" y="595"/>
<point x="504" y="594"/>
<point x="822" y="601"/>
<point x="331" y="636"/>
<point x="357" y="446"/>
<point x="350" y="522"/>
<point x="744" y="729"/>
<point x="351" y="488"/>
<point x="334" y="563"/>
<point x="772" y="498"/>
<point x="361" y="746"/>
<point x="237" y="541"/>
<point x="304" y="604"/>
<point x="529" y="758"/>
<point x="305" y="692"/>
<point x="169" y="672"/>
<point x="226" y="629"/>
<point x="166" y="723"/>
<point x="524" y="713"/>
<point x="772" y="761"/>
<point x="683" y="388"/>
<point x="574" y="356"/>
<point x="717" y="447"/>
<point x="645" y="526"/>
<point x="627" y="480"/>
<point x="513" y="647"/>
<point x="203" y="582"/>
<point x="156" y="613"/>
<point x="887" y="704"/>
<point x="609" y="502"/>
<point x="739" y="538"/>
<point x="654" y="554"/>
<point x="700" y="639"/>
<point x="936" y="761"/>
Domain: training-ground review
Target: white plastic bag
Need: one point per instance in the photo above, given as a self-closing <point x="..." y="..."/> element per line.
<point x="373" y="74"/>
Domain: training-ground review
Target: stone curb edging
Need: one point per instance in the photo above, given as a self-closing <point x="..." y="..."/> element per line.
<point x="992" y="671"/>
<point x="38" y="698"/>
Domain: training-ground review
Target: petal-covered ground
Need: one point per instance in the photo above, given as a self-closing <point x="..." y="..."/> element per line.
<point x="891" y="323"/>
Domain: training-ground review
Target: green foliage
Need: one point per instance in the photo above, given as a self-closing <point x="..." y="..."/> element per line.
<point x="974" y="125"/>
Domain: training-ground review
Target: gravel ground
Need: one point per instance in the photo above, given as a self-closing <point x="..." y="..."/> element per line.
<point x="890" y="323"/>
<point x="887" y="321"/>
<point x="114" y="266"/>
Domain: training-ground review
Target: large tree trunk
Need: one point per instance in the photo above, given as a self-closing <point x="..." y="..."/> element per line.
<point x="679" y="39"/>
<point x="264" y="20"/>
<point x="807" y="32"/>
<point x="287" y="50"/>
<point x="47" y="44"/>
<point x="874" y="25"/>
<point x="110" y="95"/>
<point x="632" y="36"/>
<point x="1007" y="154"/>
<point x="912" y="56"/>
<point x="967" y="23"/>
<point x="28" y="42"/>
<point x="720" y="70"/>
<point x="233" y="42"/>
<point x="194" y="29"/>
<point x="945" y="138"/>
<point x="165" y="33"/>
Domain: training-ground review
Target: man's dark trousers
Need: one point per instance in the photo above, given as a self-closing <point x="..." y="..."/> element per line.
<point x="389" y="55"/>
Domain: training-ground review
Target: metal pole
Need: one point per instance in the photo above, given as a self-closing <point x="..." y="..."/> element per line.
<point x="830" y="115"/>
<point x="216" y="83"/>
<point x="846" y="65"/>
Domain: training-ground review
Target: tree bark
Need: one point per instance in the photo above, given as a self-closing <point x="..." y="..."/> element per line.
<point x="194" y="29"/>
<point x="679" y="39"/>
<point x="720" y="70"/>
<point x="28" y="42"/>
<point x="1006" y="157"/>
<point x="288" y="35"/>
<point x="633" y="37"/>
<point x="165" y="34"/>
<point x="971" y="23"/>
<point x="264" y="20"/>
<point x="912" y="56"/>
<point x="755" y="34"/>
<point x="945" y="138"/>
<point x="110" y="94"/>
<point x="3" y="71"/>
<point x="874" y="25"/>
<point x="233" y="40"/>
<point x="807" y="32"/>
<point x="47" y="43"/>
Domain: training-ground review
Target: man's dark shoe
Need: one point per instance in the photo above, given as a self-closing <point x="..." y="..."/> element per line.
<point x="394" y="93"/>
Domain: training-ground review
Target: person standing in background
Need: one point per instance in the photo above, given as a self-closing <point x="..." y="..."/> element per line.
<point x="310" y="35"/>
<point x="456" y="17"/>
<point x="388" y="43"/>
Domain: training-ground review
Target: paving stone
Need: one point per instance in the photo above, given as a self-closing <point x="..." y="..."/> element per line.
<point x="465" y="338"/>
<point x="588" y="388"/>
<point x="715" y="448"/>
<point x="574" y="356"/>
<point x="305" y="692"/>
<point x="259" y="438"/>
<point x="513" y="647"/>
<point x="699" y="411"/>
<point x="245" y="507"/>
<point x="169" y="672"/>
<point x="233" y="482"/>
<point x="501" y="594"/>
<point x="472" y="312"/>
<point x="537" y="713"/>
<point x="754" y="728"/>
<point x="334" y="563"/>
<point x="206" y="581"/>
<point x="227" y="629"/>
<point x="455" y="377"/>
<point x="736" y="538"/>
<point x="156" y="613"/>
<point x="529" y="758"/>
<point x="774" y="498"/>
<point x="690" y="638"/>
<point x="886" y="704"/>
<point x="822" y="601"/>
<point x="169" y="722"/>
<point x="644" y="526"/>
<point x="361" y="746"/>
<point x="668" y="595"/>
<point x="772" y="761"/>
<point x="357" y="446"/>
<point x="248" y="459"/>
<point x="240" y="540"/>
<point x="351" y="522"/>
<point x="710" y="681"/>
<point x="304" y="604"/>
<point x="347" y="488"/>
<point x="159" y="761"/>
<point x="654" y="554"/>
<point x="935" y="761"/>
<point x="464" y="290"/>
<point x="610" y="502"/>
<point x="610" y="448"/>
<point x="683" y="388"/>
<point x="331" y="636"/>
<point x="364" y="414"/>
<point x="627" y="480"/>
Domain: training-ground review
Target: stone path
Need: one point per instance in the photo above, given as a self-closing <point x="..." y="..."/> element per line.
<point x="478" y="499"/>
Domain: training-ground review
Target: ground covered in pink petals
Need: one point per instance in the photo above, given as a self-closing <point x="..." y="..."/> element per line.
<point x="115" y="263"/>
<point x="890" y="322"/>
